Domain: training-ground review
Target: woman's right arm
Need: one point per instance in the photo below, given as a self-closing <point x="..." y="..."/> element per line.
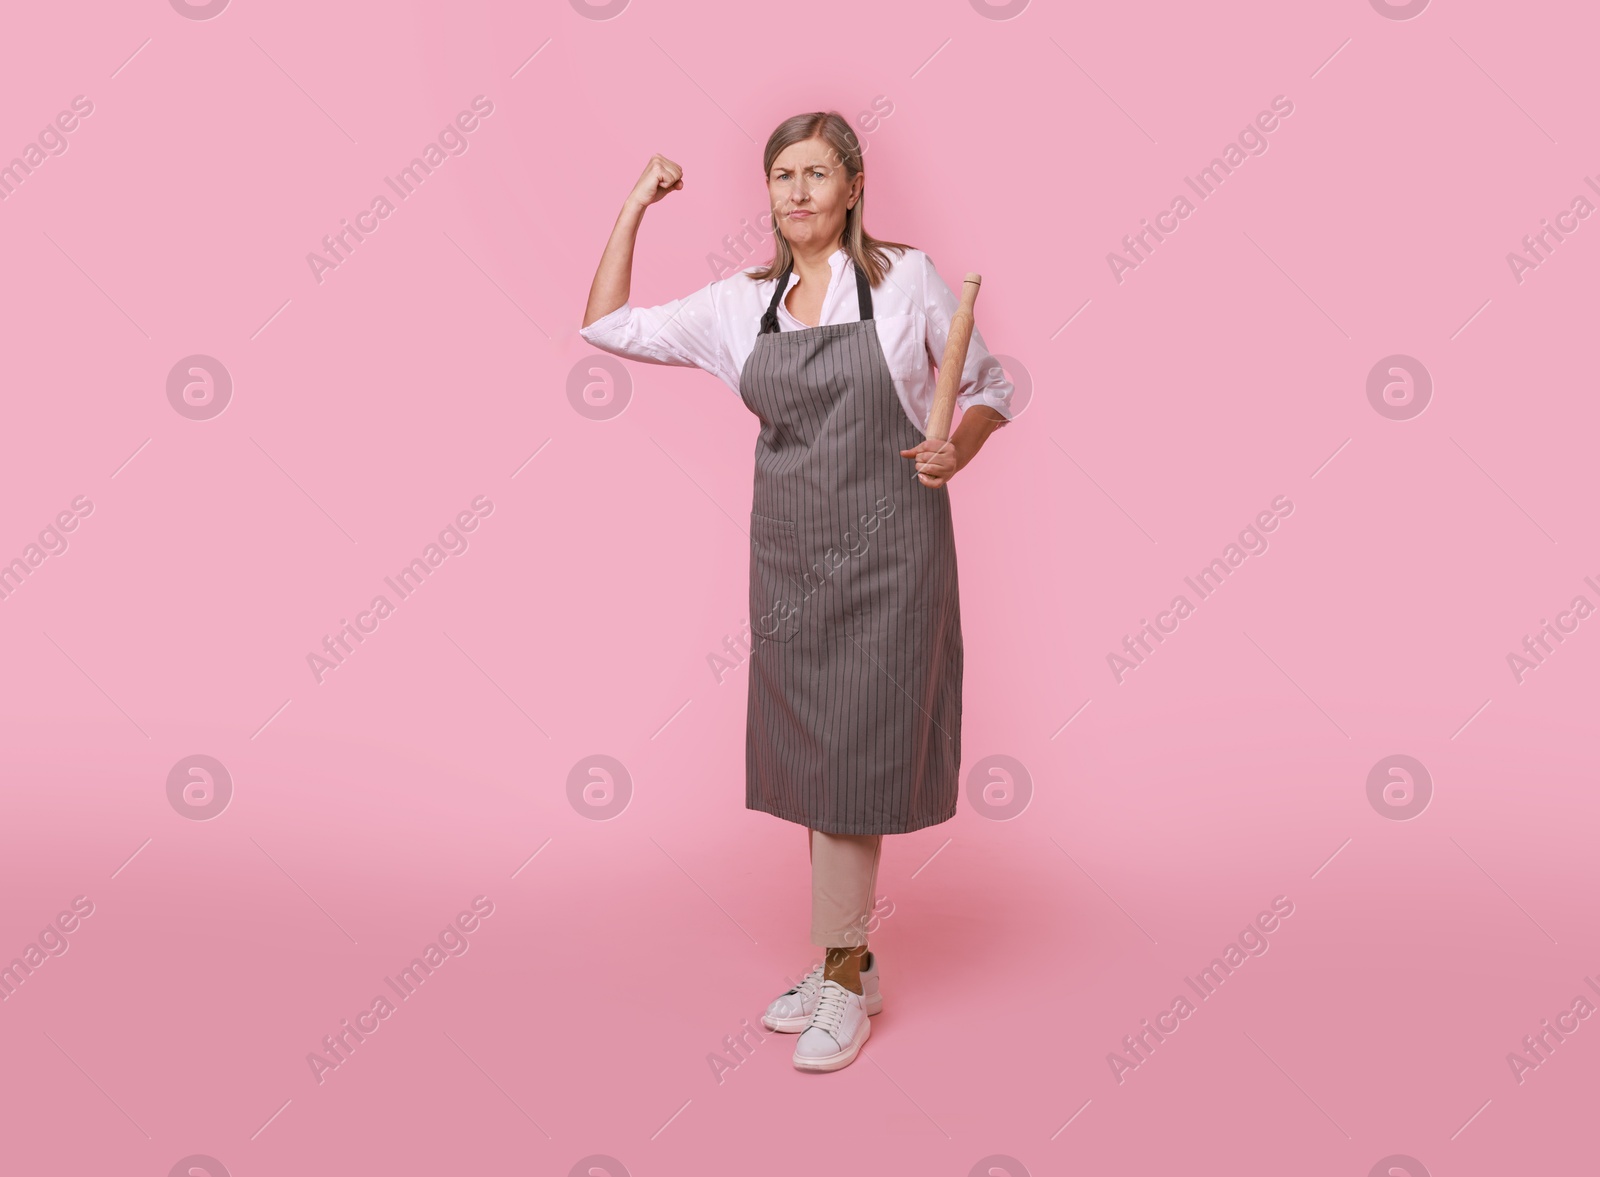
<point x="613" y="279"/>
<point x="683" y="332"/>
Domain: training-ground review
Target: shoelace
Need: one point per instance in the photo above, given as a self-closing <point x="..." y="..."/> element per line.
<point x="809" y="985"/>
<point x="830" y="1009"/>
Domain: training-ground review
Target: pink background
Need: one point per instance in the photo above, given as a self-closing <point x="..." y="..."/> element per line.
<point x="432" y="367"/>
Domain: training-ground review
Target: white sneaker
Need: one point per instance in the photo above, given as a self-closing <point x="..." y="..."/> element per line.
<point x="790" y="1012"/>
<point x="837" y="1031"/>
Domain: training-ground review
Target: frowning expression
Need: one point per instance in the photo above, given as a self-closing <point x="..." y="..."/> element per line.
<point x="811" y="190"/>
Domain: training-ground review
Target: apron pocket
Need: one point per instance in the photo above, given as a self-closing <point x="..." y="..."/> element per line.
<point x="774" y="561"/>
<point x="890" y="626"/>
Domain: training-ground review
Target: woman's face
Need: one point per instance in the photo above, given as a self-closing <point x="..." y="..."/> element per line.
<point x="811" y="190"/>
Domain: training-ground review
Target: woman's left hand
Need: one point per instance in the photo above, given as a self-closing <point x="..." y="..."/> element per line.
<point x="937" y="461"/>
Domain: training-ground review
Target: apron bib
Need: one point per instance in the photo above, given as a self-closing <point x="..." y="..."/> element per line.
<point x="854" y="717"/>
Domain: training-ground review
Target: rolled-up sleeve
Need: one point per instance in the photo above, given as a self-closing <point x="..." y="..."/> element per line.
<point x="684" y="332"/>
<point x="983" y="379"/>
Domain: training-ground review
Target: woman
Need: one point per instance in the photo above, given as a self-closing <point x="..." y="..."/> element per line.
<point x="854" y="714"/>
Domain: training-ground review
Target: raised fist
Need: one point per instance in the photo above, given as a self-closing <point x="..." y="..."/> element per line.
<point x="660" y="176"/>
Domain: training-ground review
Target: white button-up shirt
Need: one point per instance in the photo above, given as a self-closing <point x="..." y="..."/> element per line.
<point x="715" y="329"/>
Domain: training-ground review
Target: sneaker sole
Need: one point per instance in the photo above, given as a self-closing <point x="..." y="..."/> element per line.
<point x="833" y="1062"/>
<point x="873" y="1005"/>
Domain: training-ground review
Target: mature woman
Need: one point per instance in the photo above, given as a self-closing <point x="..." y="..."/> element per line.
<point x="854" y="717"/>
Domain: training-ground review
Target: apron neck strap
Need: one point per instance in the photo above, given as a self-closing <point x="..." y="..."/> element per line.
<point x="769" y="320"/>
<point x="863" y="292"/>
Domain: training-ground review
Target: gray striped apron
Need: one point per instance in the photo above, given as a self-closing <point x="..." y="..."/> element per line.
<point x="854" y="717"/>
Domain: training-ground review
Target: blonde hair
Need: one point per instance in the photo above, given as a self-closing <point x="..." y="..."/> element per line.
<point x="868" y="253"/>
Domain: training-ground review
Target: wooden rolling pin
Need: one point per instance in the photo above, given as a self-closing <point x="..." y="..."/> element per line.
<point x="955" y="359"/>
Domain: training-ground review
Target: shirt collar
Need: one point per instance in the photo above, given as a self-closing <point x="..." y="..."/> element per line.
<point x="836" y="262"/>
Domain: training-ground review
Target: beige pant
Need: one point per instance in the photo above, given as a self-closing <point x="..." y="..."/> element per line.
<point x="844" y="871"/>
